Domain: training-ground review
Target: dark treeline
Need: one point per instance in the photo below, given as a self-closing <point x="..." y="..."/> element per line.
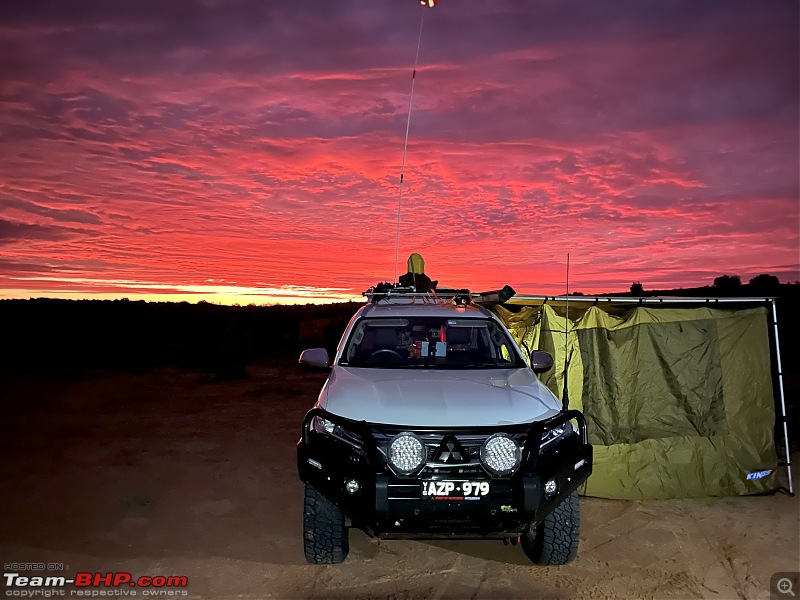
<point x="760" y="286"/>
<point x="137" y="335"/>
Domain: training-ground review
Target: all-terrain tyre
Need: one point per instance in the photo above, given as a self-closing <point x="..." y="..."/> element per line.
<point x="554" y="541"/>
<point x="325" y="536"/>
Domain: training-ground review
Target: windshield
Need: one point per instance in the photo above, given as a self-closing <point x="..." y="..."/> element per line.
<point x="430" y="342"/>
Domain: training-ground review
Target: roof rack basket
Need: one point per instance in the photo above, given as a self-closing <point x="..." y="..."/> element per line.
<point x="388" y="292"/>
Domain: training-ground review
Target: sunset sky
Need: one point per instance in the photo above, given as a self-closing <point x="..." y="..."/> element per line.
<point x="250" y="150"/>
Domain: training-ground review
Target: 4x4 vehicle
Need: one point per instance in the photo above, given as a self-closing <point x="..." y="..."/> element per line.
<point x="432" y="424"/>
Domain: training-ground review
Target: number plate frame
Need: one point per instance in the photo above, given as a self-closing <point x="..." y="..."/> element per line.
<point x="454" y="489"/>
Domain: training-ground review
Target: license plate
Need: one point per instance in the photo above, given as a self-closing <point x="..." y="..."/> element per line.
<point x="455" y="490"/>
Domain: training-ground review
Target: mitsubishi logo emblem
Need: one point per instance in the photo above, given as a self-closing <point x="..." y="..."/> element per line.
<point x="450" y="451"/>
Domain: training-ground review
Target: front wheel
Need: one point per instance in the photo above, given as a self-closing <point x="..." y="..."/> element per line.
<point x="325" y="536"/>
<point x="554" y="541"/>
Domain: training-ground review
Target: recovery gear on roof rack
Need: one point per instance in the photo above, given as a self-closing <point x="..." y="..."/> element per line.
<point x="406" y="294"/>
<point x="385" y="291"/>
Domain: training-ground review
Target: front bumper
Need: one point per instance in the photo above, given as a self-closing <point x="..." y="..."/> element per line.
<point x="387" y="504"/>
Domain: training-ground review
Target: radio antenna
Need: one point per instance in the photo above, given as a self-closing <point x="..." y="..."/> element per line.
<point x="565" y="395"/>
<point x="405" y="147"/>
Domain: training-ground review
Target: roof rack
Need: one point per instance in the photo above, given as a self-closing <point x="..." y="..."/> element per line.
<point x="388" y="292"/>
<point x="391" y="292"/>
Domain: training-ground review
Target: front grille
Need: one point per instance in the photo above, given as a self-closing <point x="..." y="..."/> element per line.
<point x="470" y="443"/>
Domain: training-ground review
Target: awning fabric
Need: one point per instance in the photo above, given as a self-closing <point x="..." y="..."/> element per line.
<point x="678" y="401"/>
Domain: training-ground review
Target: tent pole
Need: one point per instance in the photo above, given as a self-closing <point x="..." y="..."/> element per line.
<point x="783" y="401"/>
<point x="565" y="394"/>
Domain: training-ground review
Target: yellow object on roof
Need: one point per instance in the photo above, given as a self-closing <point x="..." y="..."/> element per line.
<point x="416" y="264"/>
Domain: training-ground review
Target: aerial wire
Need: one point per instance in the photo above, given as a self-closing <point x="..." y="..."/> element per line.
<point x="405" y="147"/>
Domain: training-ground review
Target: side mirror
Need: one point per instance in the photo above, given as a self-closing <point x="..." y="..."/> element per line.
<point x="316" y="358"/>
<point x="541" y="361"/>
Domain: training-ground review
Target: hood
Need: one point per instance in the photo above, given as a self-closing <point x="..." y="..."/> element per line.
<point x="446" y="398"/>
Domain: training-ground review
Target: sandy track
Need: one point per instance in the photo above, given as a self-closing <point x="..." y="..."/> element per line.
<point x="171" y="473"/>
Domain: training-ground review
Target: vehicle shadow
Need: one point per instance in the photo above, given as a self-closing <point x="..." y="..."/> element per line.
<point x="491" y="550"/>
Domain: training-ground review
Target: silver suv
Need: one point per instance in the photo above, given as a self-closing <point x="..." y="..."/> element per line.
<point x="432" y="424"/>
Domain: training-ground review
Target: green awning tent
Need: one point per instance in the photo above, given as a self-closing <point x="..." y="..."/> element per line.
<point x="677" y="393"/>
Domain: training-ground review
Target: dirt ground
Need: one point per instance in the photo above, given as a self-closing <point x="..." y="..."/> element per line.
<point x="172" y="473"/>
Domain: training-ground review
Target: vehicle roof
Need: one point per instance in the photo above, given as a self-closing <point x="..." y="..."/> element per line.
<point x="416" y="308"/>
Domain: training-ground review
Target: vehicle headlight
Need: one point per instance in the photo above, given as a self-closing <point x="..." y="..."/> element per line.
<point x="321" y="425"/>
<point x="326" y="427"/>
<point x="406" y="453"/>
<point x="550" y="435"/>
<point x="500" y="454"/>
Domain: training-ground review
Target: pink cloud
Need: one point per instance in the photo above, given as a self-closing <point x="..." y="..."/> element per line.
<point x="228" y="153"/>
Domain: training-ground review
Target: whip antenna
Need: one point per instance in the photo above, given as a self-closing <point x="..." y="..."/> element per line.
<point x="405" y="147"/>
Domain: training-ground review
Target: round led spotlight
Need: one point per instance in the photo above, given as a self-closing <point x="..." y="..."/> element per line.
<point x="500" y="454"/>
<point x="351" y="486"/>
<point x="550" y="488"/>
<point x="406" y="453"/>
